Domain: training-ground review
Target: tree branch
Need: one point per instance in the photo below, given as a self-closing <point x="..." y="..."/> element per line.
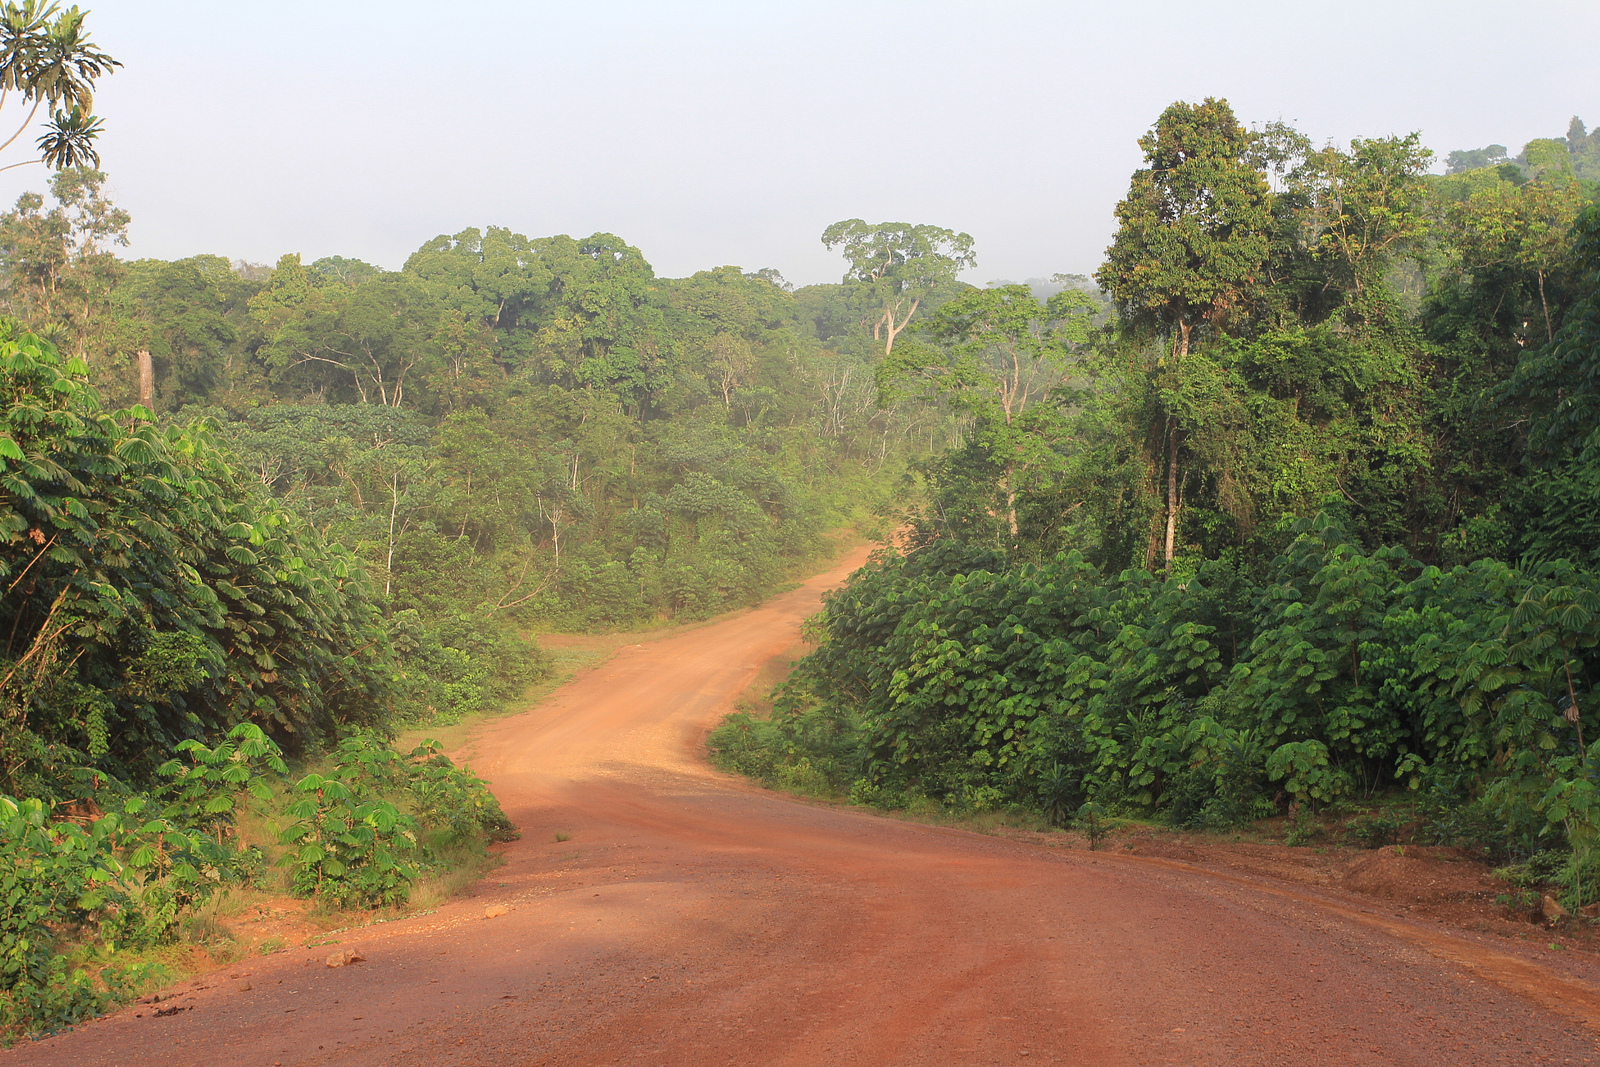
<point x="25" y="124"/>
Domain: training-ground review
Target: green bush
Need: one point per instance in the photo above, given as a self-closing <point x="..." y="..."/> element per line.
<point x="135" y="876"/>
<point x="1306" y="772"/>
<point x="744" y="744"/>
<point x="1060" y="794"/>
<point x="1579" y="878"/>
<point x="357" y="839"/>
<point x="204" y="793"/>
<point x="349" y="846"/>
<point x="1374" y="830"/>
<point x="1092" y="823"/>
<point x="452" y="800"/>
<point x="1542" y="868"/>
<point x="460" y="665"/>
<point x="59" y="878"/>
<point x="54" y="876"/>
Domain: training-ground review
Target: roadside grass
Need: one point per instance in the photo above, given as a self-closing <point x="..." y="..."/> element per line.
<point x="461" y="865"/>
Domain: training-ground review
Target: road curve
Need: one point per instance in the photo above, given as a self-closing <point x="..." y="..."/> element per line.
<point x="689" y="918"/>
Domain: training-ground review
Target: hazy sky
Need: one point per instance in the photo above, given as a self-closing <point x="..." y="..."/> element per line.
<point x="714" y="133"/>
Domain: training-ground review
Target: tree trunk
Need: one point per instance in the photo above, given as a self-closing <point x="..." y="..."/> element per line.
<point x="1011" y="501"/>
<point x="1172" y="488"/>
<point x="394" y="510"/>
<point x="1549" y="328"/>
<point x="891" y="327"/>
<point x="147" y="381"/>
<point x="1182" y="350"/>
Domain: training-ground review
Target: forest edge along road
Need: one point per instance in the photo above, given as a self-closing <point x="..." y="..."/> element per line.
<point x="657" y="911"/>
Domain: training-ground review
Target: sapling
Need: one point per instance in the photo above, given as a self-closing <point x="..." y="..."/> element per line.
<point x="1091" y="822"/>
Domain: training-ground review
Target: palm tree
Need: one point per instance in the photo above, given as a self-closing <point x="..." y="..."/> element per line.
<point x="47" y="57"/>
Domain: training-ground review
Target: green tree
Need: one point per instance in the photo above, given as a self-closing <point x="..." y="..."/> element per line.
<point x="1190" y="246"/>
<point x="1463" y="160"/>
<point x="1525" y="228"/>
<point x="1366" y="208"/>
<point x="369" y="337"/>
<point x="896" y="267"/>
<point x="1557" y="383"/>
<point x="997" y="355"/>
<point x="60" y="263"/>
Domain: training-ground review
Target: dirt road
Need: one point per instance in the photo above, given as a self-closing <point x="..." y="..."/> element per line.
<point x="691" y="919"/>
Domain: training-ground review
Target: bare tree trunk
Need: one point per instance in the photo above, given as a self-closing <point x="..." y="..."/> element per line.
<point x="1150" y="478"/>
<point x="1172" y="487"/>
<point x="1009" y="483"/>
<point x="147" y="380"/>
<point x="394" y="508"/>
<point x="1549" y="328"/>
<point x="1172" y="452"/>
<point x="891" y="328"/>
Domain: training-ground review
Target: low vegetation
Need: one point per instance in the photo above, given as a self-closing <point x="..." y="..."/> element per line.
<point x="92" y="895"/>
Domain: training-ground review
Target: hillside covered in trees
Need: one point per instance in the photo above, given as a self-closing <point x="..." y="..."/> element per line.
<point x="507" y="432"/>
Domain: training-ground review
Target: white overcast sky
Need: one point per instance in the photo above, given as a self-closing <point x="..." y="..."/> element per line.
<point x="715" y="133"/>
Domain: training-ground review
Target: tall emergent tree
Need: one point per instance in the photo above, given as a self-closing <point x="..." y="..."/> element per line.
<point x="1192" y="241"/>
<point x="897" y="266"/>
<point x="58" y="260"/>
<point x="1364" y="209"/>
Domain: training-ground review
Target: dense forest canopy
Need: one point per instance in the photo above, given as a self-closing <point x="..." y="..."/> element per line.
<point x="507" y="432"/>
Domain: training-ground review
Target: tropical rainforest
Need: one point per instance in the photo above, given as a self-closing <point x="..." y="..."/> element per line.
<point x="1309" y="517"/>
<point x="1295" y="502"/>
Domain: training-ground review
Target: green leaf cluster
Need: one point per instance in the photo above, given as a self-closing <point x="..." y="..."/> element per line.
<point x="363" y="831"/>
<point x="120" y="866"/>
<point x="153" y="595"/>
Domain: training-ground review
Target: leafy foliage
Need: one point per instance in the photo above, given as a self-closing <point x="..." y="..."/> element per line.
<point x="154" y="595"/>
<point x="126" y="869"/>
<point x="350" y="846"/>
<point x="1051" y="685"/>
<point x="358" y="835"/>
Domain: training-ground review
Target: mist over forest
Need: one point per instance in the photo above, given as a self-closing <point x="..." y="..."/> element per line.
<point x="1293" y="502"/>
